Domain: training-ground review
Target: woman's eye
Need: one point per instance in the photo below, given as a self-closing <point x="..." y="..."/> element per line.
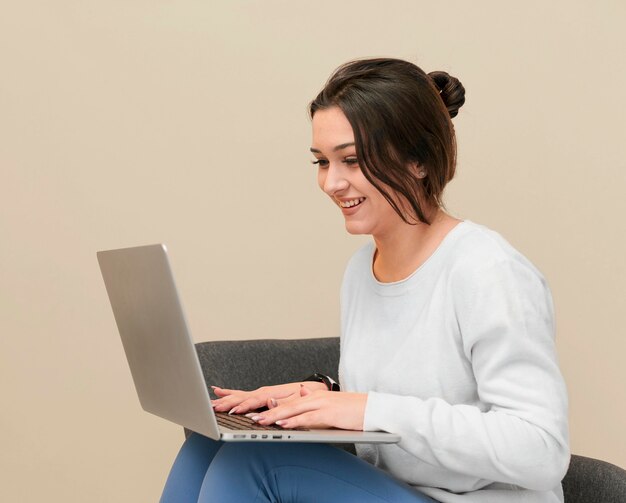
<point x="351" y="161"/>
<point x="322" y="163"/>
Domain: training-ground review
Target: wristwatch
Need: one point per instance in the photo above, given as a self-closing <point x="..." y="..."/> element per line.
<point x="330" y="383"/>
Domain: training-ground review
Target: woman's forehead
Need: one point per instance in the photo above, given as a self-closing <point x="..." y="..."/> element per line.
<point x="331" y="128"/>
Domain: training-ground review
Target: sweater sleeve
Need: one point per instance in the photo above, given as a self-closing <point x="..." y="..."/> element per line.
<point x="518" y="434"/>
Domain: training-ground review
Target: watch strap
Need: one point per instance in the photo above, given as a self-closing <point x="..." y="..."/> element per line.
<point x="330" y="383"/>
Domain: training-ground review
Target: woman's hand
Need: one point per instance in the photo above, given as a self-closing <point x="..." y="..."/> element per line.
<point x="236" y="401"/>
<point x="317" y="409"/>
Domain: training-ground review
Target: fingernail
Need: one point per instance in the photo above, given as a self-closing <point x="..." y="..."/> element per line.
<point x="251" y="414"/>
<point x="280" y="422"/>
<point x="213" y="387"/>
<point x="256" y="419"/>
<point x="273" y="402"/>
<point x="232" y="411"/>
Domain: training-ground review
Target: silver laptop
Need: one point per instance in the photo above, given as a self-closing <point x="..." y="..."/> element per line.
<point x="163" y="359"/>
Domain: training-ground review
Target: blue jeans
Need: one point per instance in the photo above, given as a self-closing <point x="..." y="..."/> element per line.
<point x="240" y="472"/>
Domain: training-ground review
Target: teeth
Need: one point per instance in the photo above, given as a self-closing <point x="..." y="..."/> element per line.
<point x="353" y="202"/>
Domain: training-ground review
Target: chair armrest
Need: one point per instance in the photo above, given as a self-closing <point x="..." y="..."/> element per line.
<point x="591" y="480"/>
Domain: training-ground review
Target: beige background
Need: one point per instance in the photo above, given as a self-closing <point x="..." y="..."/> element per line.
<point x="133" y="122"/>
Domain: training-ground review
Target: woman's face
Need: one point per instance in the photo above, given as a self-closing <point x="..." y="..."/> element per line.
<point x="364" y="208"/>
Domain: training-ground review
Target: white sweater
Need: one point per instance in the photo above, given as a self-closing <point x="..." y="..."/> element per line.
<point x="459" y="359"/>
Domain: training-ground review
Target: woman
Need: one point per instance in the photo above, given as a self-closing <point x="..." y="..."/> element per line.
<point x="447" y="331"/>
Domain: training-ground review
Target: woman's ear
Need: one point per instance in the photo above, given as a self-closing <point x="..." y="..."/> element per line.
<point x="417" y="170"/>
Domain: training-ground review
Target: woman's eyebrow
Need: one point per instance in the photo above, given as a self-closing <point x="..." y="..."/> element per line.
<point x="338" y="147"/>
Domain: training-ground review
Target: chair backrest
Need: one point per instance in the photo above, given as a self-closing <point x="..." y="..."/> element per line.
<point x="591" y="480"/>
<point x="249" y="364"/>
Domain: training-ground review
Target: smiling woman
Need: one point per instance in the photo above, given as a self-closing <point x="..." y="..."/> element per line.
<point x="400" y="117"/>
<point x="340" y="176"/>
<point x="447" y="331"/>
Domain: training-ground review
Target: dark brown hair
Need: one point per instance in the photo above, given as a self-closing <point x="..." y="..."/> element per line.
<point x="400" y="116"/>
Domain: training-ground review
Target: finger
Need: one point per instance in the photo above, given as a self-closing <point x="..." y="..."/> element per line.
<point x="251" y="403"/>
<point x="287" y="410"/>
<point x="279" y="401"/>
<point x="226" y="403"/>
<point x="221" y="392"/>
<point x="311" y="419"/>
<point x="304" y="391"/>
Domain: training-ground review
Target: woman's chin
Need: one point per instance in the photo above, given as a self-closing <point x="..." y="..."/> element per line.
<point x="356" y="228"/>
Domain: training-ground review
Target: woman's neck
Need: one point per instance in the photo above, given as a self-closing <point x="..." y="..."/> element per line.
<point x="400" y="252"/>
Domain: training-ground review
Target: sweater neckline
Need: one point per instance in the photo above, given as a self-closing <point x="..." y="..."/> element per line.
<point x="401" y="286"/>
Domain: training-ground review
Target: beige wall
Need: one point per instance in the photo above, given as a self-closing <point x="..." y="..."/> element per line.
<point x="125" y="123"/>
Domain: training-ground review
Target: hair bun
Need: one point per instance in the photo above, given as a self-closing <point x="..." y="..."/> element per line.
<point x="451" y="90"/>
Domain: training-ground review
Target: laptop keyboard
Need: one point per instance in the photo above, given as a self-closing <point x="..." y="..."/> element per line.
<point x="237" y="422"/>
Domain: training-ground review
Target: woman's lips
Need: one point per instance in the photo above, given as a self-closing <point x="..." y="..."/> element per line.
<point x="350" y="206"/>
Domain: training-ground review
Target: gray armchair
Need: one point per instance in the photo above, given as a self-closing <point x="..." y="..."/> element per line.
<point x="254" y="363"/>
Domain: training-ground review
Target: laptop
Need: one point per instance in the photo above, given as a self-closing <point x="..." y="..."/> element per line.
<point x="163" y="359"/>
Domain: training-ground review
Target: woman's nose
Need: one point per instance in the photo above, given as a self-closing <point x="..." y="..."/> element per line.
<point x="335" y="181"/>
